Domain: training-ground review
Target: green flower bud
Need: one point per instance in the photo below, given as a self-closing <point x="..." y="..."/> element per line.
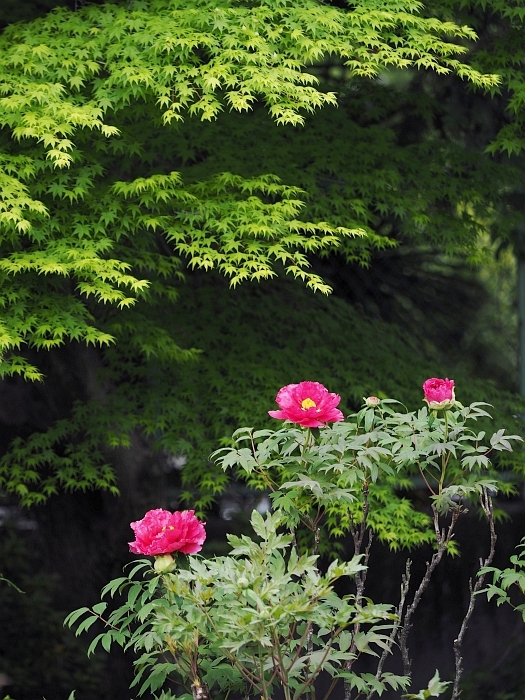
<point x="164" y="563"/>
<point x="372" y="401"/>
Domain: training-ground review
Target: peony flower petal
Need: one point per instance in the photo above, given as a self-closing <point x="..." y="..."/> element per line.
<point x="281" y="415"/>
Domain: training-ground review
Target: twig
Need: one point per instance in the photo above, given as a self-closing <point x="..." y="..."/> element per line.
<point x="358" y="535"/>
<point x="310" y="636"/>
<point x="425" y="480"/>
<point x="443" y="538"/>
<point x="10" y="583"/>
<point x="361" y="575"/>
<point x="309" y="679"/>
<point x="405" y="583"/>
<point x="488" y="509"/>
<point x="302" y="641"/>
<point x="280" y="667"/>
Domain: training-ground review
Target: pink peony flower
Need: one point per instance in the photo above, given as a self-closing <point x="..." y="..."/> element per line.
<point x="309" y="404"/>
<point x="439" y="393"/>
<point x="162" y="532"/>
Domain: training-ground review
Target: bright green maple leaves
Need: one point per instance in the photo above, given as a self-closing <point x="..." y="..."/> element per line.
<point x="77" y="238"/>
<point x="67" y="71"/>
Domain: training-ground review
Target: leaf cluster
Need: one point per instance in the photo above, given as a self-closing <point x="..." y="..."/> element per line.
<point x="505" y="580"/>
<point x="354" y="468"/>
<point x="106" y="207"/>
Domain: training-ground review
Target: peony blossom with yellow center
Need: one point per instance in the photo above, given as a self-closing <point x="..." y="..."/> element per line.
<point x="309" y="404"/>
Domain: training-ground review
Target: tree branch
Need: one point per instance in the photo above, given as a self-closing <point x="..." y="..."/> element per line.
<point x="488" y="509"/>
<point x="405" y="582"/>
<point x="443" y="538"/>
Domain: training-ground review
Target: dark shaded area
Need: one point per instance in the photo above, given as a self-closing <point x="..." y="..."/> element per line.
<point x="494" y="634"/>
<point x="440" y="300"/>
<point x="12" y="11"/>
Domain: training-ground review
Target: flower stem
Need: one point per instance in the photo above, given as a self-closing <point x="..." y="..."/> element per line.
<point x="306" y="443"/>
<point x="443" y="458"/>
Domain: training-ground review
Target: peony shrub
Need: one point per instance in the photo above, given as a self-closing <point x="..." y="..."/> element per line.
<point x="267" y="617"/>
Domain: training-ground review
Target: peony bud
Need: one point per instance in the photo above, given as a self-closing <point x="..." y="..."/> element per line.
<point x="439" y="393"/>
<point x="372" y="401"/>
<point x="164" y="564"/>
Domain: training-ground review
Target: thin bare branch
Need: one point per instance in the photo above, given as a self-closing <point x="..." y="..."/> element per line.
<point x="488" y="509"/>
<point x="358" y="535"/>
<point x="405" y="583"/>
<point x="443" y="538"/>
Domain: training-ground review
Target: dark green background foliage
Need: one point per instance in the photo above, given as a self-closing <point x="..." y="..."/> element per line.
<point x="49" y="657"/>
<point x="280" y="326"/>
<point x="504" y="680"/>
